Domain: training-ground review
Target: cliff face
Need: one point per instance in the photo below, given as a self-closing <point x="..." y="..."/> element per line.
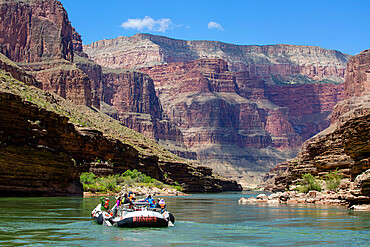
<point x="30" y="165"/>
<point x="42" y="152"/>
<point x="17" y="72"/>
<point x="35" y="31"/>
<point x="38" y="145"/>
<point x="130" y="92"/>
<point x="241" y="109"/>
<point x="144" y="50"/>
<point x="309" y="105"/>
<point x="235" y="122"/>
<point x="201" y="98"/>
<point x="39" y="37"/>
<point x="130" y="97"/>
<point x="344" y="145"/>
<point x="357" y="89"/>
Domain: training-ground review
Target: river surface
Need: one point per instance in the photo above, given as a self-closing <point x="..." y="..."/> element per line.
<point x="201" y="220"/>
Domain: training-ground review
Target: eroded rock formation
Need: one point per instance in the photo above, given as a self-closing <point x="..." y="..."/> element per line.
<point x="235" y="120"/>
<point x="33" y="161"/>
<point x="344" y="145"/>
<point x="39" y="37"/>
<point x="144" y="50"/>
<point x="43" y="154"/>
<point x="241" y="109"/>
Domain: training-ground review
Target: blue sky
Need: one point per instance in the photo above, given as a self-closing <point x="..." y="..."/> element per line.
<point x="340" y="25"/>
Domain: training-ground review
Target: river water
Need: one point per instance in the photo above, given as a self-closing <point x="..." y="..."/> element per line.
<point x="201" y="220"/>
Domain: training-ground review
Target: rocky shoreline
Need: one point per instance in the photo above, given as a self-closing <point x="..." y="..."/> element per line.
<point x="312" y="197"/>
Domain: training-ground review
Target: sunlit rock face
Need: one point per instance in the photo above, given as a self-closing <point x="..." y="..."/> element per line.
<point x="39" y="37"/>
<point x="241" y="109"/>
<point x="344" y="146"/>
<point x="144" y="50"/>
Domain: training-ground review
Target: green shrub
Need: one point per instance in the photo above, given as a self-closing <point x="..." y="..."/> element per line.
<point x="333" y="180"/>
<point x="310" y="183"/>
<point x="87" y="178"/>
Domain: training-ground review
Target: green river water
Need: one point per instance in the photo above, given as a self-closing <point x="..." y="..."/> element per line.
<point x="201" y="220"/>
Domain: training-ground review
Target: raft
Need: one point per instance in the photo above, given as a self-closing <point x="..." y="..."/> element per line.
<point x="139" y="215"/>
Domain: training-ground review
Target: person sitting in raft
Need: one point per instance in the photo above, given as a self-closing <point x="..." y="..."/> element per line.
<point x="104" y="206"/>
<point x="118" y="203"/>
<point x="162" y="205"/>
<point x="127" y="200"/>
<point x="150" y="200"/>
<point x="131" y="196"/>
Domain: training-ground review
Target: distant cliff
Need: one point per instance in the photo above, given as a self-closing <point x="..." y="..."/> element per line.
<point x="241" y="109"/>
<point x="343" y="146"/>
<point x="144" y="50"/>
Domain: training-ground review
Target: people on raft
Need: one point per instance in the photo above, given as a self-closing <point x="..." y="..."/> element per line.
<point x="104" y="205"/>
<point x="162" y="205"/>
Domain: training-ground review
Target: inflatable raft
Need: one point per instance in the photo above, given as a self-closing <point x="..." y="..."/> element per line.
<point x="139" y="215"/>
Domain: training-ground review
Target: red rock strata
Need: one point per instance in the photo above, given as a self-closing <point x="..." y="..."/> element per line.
<point x="343" y="146"/>
<point x="144" y="50"/>
<point x="201" y="96"/>
<point x="35" y="31"/>
<point x="213" y="106"/>
<point x="39" y="37"/>
<point x="226" y="98"/>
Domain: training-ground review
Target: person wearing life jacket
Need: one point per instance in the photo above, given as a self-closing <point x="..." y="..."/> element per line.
<point x="104" y="206"/>
<point x="118" y="203"/>
<point x="150" y="200"/>
<point x="127" y="200"/>
<point x="131" y="196"/>
<point x="162" y="205"/>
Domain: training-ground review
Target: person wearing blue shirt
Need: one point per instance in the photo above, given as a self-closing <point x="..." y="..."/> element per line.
<point x="150" y="200"/>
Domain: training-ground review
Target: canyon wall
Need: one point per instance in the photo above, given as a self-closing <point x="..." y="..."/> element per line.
<point x="235" y="122"/>
<point x="237" y="109"/>
<point x="344" y="146"/>
<point x="35" y="31"/>
<point x="144" y="50"/>
<point x="43" y="153"/>
<point x="39" y="37"/>
<point x="241" y="109"/>
<point x="32" y="160"/>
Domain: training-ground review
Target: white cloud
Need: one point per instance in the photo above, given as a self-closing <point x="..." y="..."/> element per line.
<point x="148" y="23"/>
<point x="215" y="25"/>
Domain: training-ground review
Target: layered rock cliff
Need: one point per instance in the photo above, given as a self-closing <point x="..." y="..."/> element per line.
<point x="39" y="37"/>
<point x="235" y="122"/>
<point x="144" y="50"/>
<point x="240" y="123"/>
<point x="32" y="159"/>
<point x="35" y="31"/>
<point x="241" y="114"/>
<point x="344" y="145"/>
<point x="130" y="97"/>
<point x="43" y="152"/>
